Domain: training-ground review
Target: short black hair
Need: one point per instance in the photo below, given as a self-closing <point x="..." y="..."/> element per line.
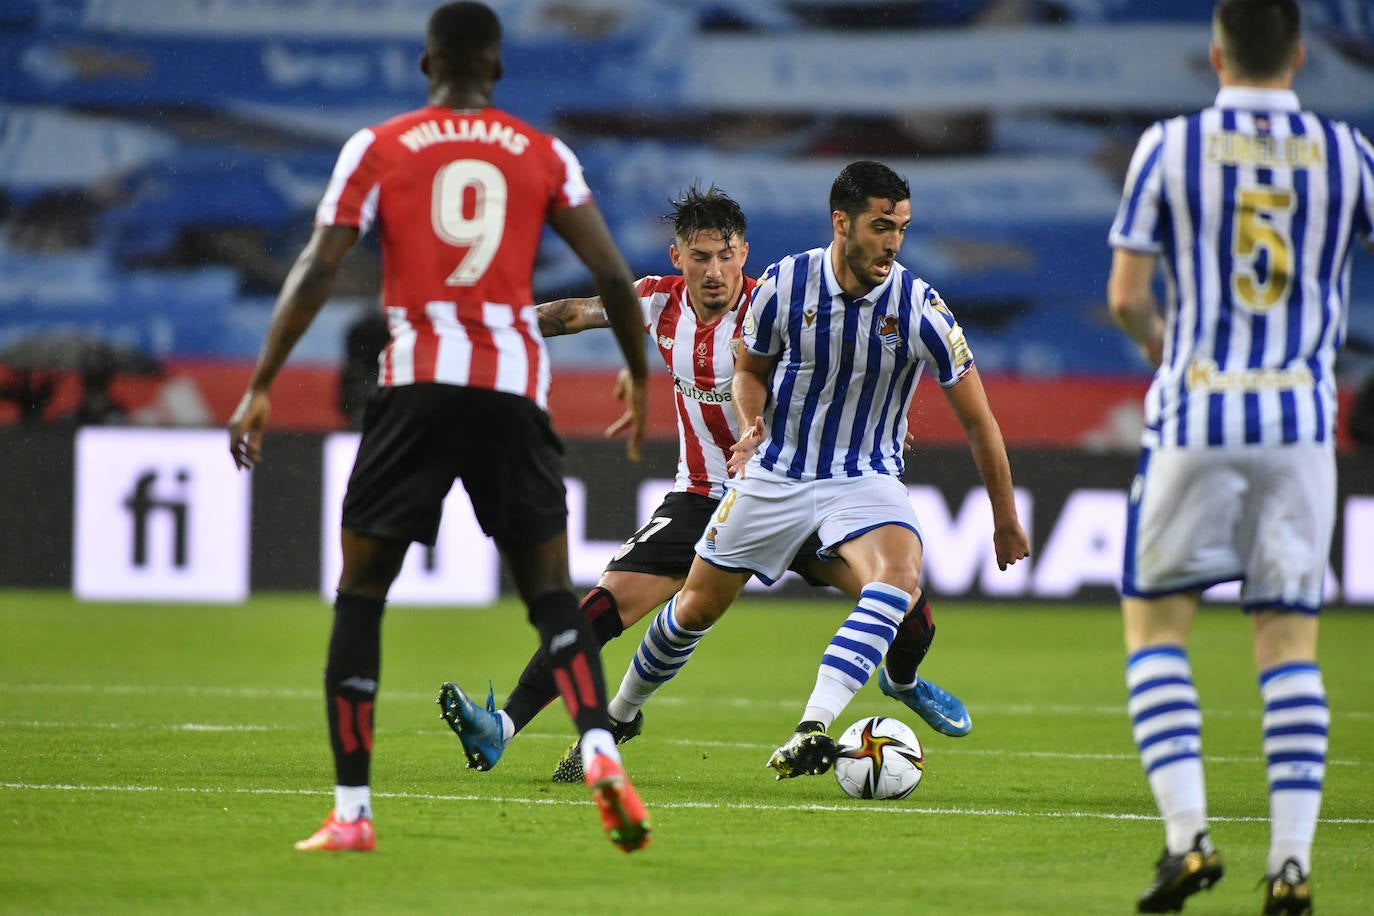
<point x="457" y="31"/>
<point x="859" y="181"/>
<point x="1258" y="37"/>
<point x="711" y="210"/>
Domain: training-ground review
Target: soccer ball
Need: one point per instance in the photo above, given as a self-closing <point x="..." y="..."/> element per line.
<point x="878" y="757"/>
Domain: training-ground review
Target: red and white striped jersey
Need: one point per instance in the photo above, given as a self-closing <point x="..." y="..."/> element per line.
<point x="701" y="360"/>
<point x="461" y="199"/>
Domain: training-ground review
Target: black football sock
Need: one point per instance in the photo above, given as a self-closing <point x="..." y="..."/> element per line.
<point x="536" y="688"/>
<point x="913" y="640"/>
<point x="574" y="658"/>
<point x="350" y="684"/>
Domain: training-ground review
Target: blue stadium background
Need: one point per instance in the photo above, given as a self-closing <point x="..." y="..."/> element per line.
<point x="160" y="159"/>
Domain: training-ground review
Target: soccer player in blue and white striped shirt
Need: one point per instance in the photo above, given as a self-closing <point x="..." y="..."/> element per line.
<point x="834" y="341"/>
<point x="1252" y="206"/>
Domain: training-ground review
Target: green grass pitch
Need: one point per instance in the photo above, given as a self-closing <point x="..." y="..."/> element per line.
<point x="164" y="759"/>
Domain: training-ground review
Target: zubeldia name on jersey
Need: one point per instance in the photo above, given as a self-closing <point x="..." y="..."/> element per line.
<point x="470" y="130"/>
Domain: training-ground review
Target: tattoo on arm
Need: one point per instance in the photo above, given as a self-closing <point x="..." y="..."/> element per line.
<point x="569" y="316"/>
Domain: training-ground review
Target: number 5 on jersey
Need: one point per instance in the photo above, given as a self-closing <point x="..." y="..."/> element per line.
<point x="1259" y="236"/>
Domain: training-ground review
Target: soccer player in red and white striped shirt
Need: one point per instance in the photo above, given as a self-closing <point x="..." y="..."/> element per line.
<point x="460" y="192"/>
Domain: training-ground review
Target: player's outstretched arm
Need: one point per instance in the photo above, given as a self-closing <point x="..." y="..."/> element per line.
<point x="571" y="316"/>
<point x="305" y="290"/>
<point x="970" y="404"/>
<point x="585" y="231"/>
<point x="1132" y="302"/>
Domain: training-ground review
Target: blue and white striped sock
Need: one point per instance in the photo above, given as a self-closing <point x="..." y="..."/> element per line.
<point x="665" y="648"/>
<point x="1295" y="726"/>
<point x="1167" y="726"/>
<point x="856" y="650"/>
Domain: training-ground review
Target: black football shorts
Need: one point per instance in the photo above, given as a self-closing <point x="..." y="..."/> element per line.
<point x="417" y="439"/>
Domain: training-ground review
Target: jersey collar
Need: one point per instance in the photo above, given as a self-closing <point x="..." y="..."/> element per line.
<point x="1249" y="98"/>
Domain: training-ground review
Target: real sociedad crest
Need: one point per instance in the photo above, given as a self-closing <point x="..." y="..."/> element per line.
<point x="888" y="331"/>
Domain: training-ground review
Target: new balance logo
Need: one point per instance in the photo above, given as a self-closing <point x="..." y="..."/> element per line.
<point x="361" y="684"/>
<point x="562" y="641"/>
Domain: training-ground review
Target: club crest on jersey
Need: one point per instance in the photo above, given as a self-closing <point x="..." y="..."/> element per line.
<point x="665" y="341"/>
<point x="711" y="538"/>
<point x="735" y="345"/>
<point x="888" y="330"/>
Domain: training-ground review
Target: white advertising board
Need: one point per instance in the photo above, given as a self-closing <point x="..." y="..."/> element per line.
<point x="160" y="515"/>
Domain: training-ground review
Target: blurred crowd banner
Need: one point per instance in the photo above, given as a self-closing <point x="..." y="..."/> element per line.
<point x="206" y="58"/>
<point x="162" y="515"/>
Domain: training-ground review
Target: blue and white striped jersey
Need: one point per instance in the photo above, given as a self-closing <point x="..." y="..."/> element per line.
<point x="848" y="367"/>
<point x="1253" y="205"/>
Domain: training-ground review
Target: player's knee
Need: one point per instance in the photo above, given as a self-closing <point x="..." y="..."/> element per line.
<point x="903" y="576"/>
<point x="696" y="612"/>
<point x="370" y="564"/>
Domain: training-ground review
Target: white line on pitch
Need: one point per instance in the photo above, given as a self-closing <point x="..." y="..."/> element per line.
<point x="287" y="693"/>
<point x="132" y="726"/>
<point x="709" y="806"/>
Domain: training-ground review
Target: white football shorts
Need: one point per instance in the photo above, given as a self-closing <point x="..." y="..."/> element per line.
<point x="762" y="520"/>
<point x="1262" y="515"/>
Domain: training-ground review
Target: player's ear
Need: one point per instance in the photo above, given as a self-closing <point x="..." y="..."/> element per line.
<point x="1214" y="57"/>
<point x="424" y="62"/>
<point x="840" y="221"/>
<point x="498" y="70"/>
<point x="675" y="255"/>
<point x="1299" y="57"/>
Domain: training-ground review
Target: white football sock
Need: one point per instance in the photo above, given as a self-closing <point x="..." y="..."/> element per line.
<point x="507" y="726"/>
<point x="856" y="650"/>
<point x="1167" y="726"/>
<point x="597" y="741"/>
<point x="352" y="802"/>
<point x="665" y="648"/>
<point x="1295" y="724"/>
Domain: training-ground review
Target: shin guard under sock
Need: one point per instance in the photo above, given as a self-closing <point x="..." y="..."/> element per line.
<point x="909" y="648"/>
<point x="536" y="688"/>
<point x="574" y="658"/>
<point x="350" y="684"/>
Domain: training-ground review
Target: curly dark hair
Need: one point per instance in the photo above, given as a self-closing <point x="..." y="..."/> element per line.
<point x="711" y="210"/>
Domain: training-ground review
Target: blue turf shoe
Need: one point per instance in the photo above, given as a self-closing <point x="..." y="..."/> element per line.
<point x="479" y="729"/>
<point x="942" y="710"/>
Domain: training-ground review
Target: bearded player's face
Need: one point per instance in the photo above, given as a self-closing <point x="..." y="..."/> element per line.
<point x="712" y="263"/>
<point x="873" y="238"/>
